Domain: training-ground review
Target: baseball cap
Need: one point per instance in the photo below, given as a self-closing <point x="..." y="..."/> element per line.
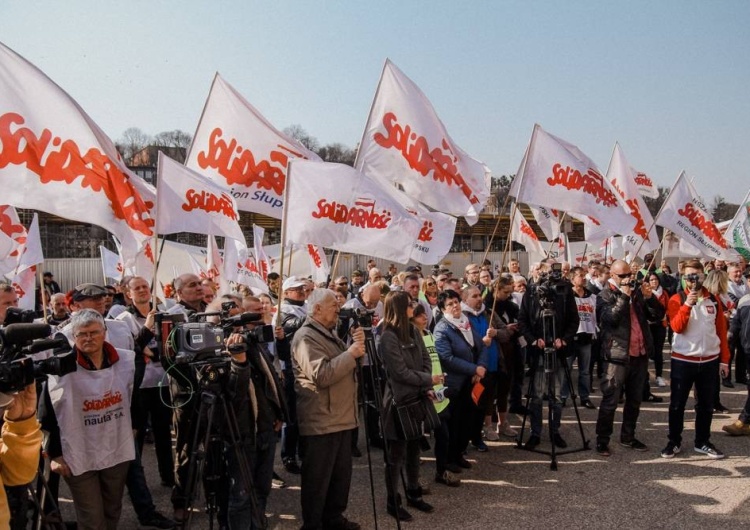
<point x="292" y="282"/>
<point x="88" y="290"/>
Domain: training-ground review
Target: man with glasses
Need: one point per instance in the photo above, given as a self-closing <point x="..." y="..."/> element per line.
<point x="699" y="354"/>
<point x="623" y="310"/>
<point x="341" y="285"/>
<point x="471" y="275"/>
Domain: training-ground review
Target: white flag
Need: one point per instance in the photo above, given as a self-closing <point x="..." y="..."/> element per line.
<point x="521" y="232"/>
<point x="737" y="234"/>
<point x="642" y="235"/>
<point x="405" y="143"/>
<point x="30" y="253"/>
<point x="240" y="265"/>
<point x="556" y="174"/>
<point x="261" y="259"/>
<point x="685" y="214"/>
<point x="646" y="186"/>
<point x="214" y="263"/>
<point x="319" y="267"/>
<point x="54" y="158"/>
<point x="111" y="264"/>
<point x="237" y="147"/>
<point x="189" y="202"/>
<point x="548" y="220"/>
<point x="336" y="206"/>
<point x="12" y="238"/>
<point x="24" y="283"/>
<point x="196" y="267"/>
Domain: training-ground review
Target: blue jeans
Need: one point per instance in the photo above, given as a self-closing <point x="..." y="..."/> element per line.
<point x="260" y="458"/>
<point x="582" y="352"/>
<point x="705" y="377"/>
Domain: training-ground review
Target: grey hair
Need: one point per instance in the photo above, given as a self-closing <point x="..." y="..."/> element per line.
<point x="317" y="297"/>
<point x="56" y="296"/>
<point x="85" y="317"/>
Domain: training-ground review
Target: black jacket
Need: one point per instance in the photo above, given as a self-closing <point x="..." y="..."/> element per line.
<point x="531" y="324"/>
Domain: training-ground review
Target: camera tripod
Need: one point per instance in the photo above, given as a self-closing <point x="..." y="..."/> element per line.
<point x="216" y="435"/>
<point x="550" y="360"/>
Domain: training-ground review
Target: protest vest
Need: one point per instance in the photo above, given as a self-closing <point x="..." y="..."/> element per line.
<point x="93" y="412"/>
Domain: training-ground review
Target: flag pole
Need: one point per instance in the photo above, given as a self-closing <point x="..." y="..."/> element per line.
<point x="653" y="221"/>
<point x="335" y="265"/>
<point x="284" y="212"/>
<point x="157" y="254"/>
<point x="559" y="225"/>
<point x="43" y="294"/>
<point x="497" y="225"/>
<point x="369" y="117"/>
<point x="506" y="248"/>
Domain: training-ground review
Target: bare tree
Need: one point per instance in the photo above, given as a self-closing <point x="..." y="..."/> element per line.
<point x="654" y="205"/>
<point x="337" y="152"/>
<point x="297" y="132"/>
<point x="721" y="210"/>
<point x="132" y="141"/>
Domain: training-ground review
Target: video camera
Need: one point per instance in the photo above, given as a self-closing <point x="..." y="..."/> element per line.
<point x="18" y="342"/>
<point x="197" y="341"/>
<point x="14" y="315"/>
<point x="550" y="285"/>
<point x="360" y="315"/>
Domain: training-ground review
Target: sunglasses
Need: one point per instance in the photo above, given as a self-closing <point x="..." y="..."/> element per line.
<point x="623" y="276"/>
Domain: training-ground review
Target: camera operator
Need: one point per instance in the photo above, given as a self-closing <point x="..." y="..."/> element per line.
<point x="260" y="414"/>
<point x="553" y="292"/>
<point x="326" y="386"/>
<point x="291" y="318"/>
<point x="623" y="311"/>
<point x="8" y="299"/>
<point x="90" y="432"/>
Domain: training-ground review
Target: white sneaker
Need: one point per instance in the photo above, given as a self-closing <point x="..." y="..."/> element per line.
<point x="660" y="381"/>
<point x="490" y="434"/>
<point x="506" y="430"/>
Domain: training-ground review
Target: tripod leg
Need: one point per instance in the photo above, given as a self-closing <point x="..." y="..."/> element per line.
<point x="367" y="444"/>
<point x="532" y="375"/>
<point x="551" y="401"/>
<point x="566" y="367"/>
<point x="198" y="457"/>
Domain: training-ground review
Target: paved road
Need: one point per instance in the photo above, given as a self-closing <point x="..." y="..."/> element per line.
<point x="511" y="488"/>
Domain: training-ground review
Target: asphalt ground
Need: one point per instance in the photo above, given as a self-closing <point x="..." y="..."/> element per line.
<point x="512" y="488"/>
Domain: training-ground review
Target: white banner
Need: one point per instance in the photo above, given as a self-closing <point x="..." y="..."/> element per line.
<point x="12" y="238"/>
<point x="685" y="214"/>
<point x="24" y="283"/>
<point x="240" y="265"/>
<point x="556" y="174"/>
<point x="336" y="206"/>
<point x="646" y="186"/>
<point x="237" y="147"/>
<point x="521" y="232"/>
<point x="319" y="267"/>
<point x="111" y="264"/>
<point x="548" y="220"/>
<point x="189" y="202"/>
<point x="54" y="158"/>
<point x="30" y="253"/>
<point x="737" y="234"/>
<point x="405" y="143"/>
<point x="261" y="259"/>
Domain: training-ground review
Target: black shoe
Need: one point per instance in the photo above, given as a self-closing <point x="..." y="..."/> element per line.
<point x="654" y="399"/>
<point x="532" y="442"/>
<point x="588" y="404"/>
<point x="720" y="408"/>
<point x="277" y="481"/>
<point x="395" y="509"/>
<point x="727" y="382"/>
<point x="464" y="463"/>
<point x="602" y="449"/>
<point x="564" y="402"/>
<point x="291" y="465"/>
<point x="635" y="445"/>
<point x="453" y="468"/>
<point x="342" y="523"/>
<point x="558" y="440"/>
<point x="157" y="520"/>
<point x="414" y="499"/>
<point x="356" y="453"/>
<point x="519" y="409"/>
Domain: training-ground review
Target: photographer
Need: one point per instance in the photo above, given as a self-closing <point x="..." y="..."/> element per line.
<point x="91" y="438"/>
<point x="699" y="354"/>
<point x="551" y="292"/>
<point x="623" y="310"/>
<point x="326" y="386"/>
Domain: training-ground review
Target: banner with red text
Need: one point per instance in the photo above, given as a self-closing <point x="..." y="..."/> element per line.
<point x="521" y="232"/>
<point x="336" y="206"/>
<point x="12" y="239"/>
<point x="646" y="186"/>
<point x="557" y="174"/>
<point x="319" y="267"/>
<point x="548" y="220"/>
<point x="685" y="214"/>
<point x="261" y="259"/>
<point x="623" y="179"/>
<point x="189" y="202"/>
<point x="405" y="143"/>
<point x="240" y="265"/>
<point x="111" y="264"/>
<point x="54" y="158"/>
<point x="237" y="147"/>
<point x="30" y="252"/>
<point x="24" y="283"/>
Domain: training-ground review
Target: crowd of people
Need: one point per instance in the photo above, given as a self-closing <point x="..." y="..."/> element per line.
<point x="421" y="361"/>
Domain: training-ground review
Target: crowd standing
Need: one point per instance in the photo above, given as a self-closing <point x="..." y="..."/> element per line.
<point x="423" y="361"/>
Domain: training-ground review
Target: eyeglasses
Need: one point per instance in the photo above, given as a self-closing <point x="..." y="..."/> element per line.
<point x="88" y="334"/>
<point x="429" y="284"/>
<point x="342" y="283"/>
<point x="624" y="275"/>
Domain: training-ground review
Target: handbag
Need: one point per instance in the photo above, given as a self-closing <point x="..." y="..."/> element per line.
<point x="415" y="416"/>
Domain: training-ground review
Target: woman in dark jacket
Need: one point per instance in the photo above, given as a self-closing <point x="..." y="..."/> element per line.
<point x="409" y="378"/>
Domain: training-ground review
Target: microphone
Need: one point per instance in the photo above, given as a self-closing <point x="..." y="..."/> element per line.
<point x="242" y="319"/>
<point x="46" y="344"/>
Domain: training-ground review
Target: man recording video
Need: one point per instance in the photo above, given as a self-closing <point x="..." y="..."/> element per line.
<point x="548" y="319"/>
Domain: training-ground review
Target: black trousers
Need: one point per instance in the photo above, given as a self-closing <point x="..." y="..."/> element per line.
<point x="705" y="377"/>
<point x="462" y="411"/>
<point x="326" y="478"/>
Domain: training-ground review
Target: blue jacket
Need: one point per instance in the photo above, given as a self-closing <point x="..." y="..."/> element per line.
<point x="457" y="357"/>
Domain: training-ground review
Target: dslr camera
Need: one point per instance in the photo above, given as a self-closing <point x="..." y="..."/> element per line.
<point x="551" y="284"/>
<point x="361" y="316"/>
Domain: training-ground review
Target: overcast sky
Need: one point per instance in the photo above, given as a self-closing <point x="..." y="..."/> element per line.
<point x="668" y="79"/>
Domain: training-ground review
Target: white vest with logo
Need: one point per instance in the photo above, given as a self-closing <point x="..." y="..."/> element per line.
<point x="699" y="339"/>
<point x="93" y="412"/>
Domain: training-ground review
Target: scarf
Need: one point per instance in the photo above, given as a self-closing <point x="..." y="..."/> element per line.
<point x="463" y="325"/>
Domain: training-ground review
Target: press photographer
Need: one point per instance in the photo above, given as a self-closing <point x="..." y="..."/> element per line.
<point x="548" y="321"/>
